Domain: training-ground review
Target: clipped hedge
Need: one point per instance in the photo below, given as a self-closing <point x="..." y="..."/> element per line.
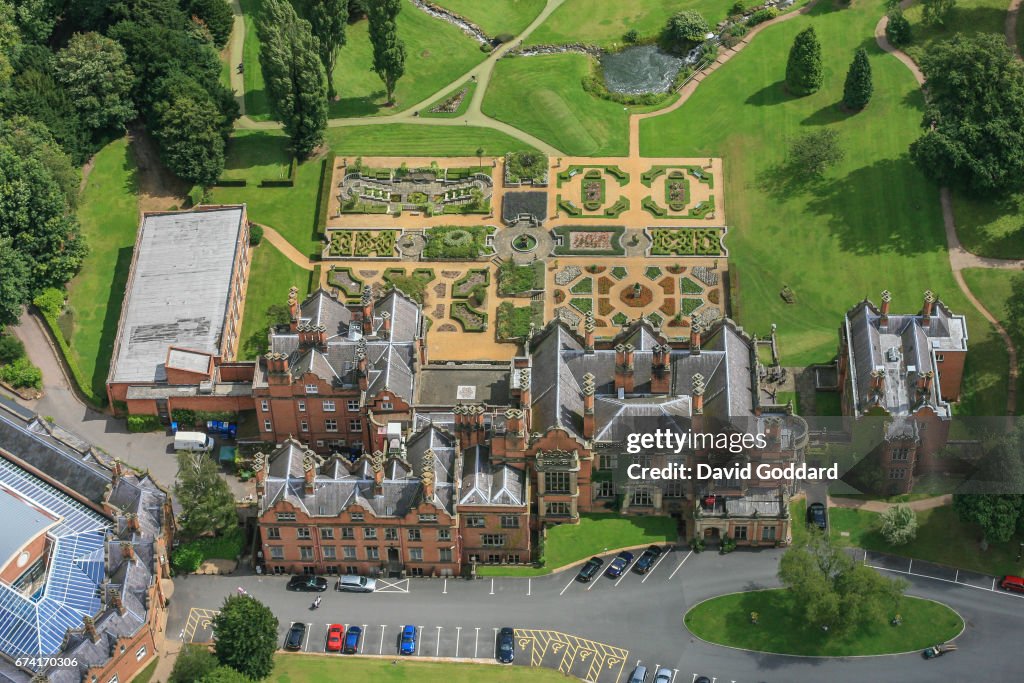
<point x="283" y="182"/>
<point x="323" y="196"/>
<point x="144" y="423"/>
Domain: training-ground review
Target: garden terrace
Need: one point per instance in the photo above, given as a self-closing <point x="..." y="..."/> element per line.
<point x="345" y="281"/>
<point x="526" y="168"/>
<point x="516" y="279"/>
<point x="513" y="322"/>
<point x="620" y="176"/>
<point x="531" y="206"/>
<point x="452" y="242"/>
<point x="580" y="240"/>
<point x="685" y="191"/>
<point x="687" y="242"/>
<point x="360" y="244"/>
<point x="592" y="192"/>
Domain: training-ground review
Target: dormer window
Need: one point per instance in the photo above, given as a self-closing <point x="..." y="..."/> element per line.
<point x="312" y="389"/>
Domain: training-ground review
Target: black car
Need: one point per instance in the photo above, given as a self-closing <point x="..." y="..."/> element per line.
<point x="619" y="564"/>
<point x="296" y="634"/>
<point x="591" y="569"/>
<point x="816" y="516"/>
<point x="647" y="559"/>
<point x="506" y="645"/>
<point x="307" y="584"/>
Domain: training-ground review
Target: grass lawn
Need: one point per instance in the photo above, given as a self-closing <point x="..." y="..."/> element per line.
<point x="109" y="216"/>
<point x="255" y="156"/>
<point x="941" y="537"/>
<point x="828" y="403"/>
<point x="595" y="534"/>
<point x="470" y="88"/>
<point x="557" y="110"/>
<point x="289" y="668"/>
<point x="496" y="16"/>
<point x="991" y="227"/>
<point x="410" y="139"/>
<point x="602" y="22"/>
<point x="798" y="513"/>
<point x="969" y="17"/>
<point x="781" y="626"/>
<point x="146" y="675"/>
<point x="872" y="222"/>
<point x="437" y="54"/>
<point x="992" y="287"/>
<point x="271" y="275"/>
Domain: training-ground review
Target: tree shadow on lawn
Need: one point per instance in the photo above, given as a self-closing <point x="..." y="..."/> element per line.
<point x="111" y="318"/>
<point x="358" y="106"/>
<point x="830" y="113"/>
<point x="256" y="103"/>
<point x="774" y="93"/>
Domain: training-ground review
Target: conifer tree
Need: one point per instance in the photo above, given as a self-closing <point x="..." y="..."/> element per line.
<point x="857" y="89"/>
<point x="803" y="70"/>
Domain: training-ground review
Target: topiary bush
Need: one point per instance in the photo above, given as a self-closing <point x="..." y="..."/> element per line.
<point x="11" y="349"/>
<point x="186" y="560"/>
<point x="21" y="374"/>
<point x="144" y="423"/>
<point x="255" y="234"/>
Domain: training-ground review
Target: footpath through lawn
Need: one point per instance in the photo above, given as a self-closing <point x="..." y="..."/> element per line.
<point x="872" y="223"/>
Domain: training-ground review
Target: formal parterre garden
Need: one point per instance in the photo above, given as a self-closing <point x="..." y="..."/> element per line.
<point x="686" y="241"/>
<point x="361" y="243"/>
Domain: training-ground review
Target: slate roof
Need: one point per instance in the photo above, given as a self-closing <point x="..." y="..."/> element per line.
<point x="487" y="483"/>
<point x="559" y="362"/>
<point x="905" y="349"/>
<point x="178" y="291"/>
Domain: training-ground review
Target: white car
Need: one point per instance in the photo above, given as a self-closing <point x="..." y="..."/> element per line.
<point x="353" y="583"/>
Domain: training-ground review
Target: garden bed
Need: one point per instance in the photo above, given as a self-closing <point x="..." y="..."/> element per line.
<point x="345" y="280"/>
<point x="455" y="242"/>
<point x="362" y="243"/>
<point x="686" y="241"/>
<point x="512" y="322"/>
<point x="620" y="176"/>
<point x="592" y="192"/>
<point x="468" y="317"/>
<point x="515" y="279"/>
<point x="637" y="296"/>
<point x="586" y="241"/>
<point x="526" y="168"/>
<point x="472" y="285"/>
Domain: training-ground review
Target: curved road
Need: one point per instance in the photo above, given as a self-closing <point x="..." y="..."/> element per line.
<point x="637" y="618"/>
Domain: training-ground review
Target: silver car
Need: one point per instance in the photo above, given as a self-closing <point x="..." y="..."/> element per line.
<point x="663" y="676"/>
<point x="353" y="583"/>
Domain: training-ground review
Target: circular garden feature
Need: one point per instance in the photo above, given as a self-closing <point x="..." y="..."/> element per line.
<point x="773" y="621"/>
<point x="637" y="295"/>
<point x="524" y="243"/>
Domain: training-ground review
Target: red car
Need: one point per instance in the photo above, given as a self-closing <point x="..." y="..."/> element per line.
<point x="334" y="636"/>
<point x="1012" y="583"/>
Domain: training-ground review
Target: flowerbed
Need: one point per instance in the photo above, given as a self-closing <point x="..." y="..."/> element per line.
<point x="677" y="191"/>
<point x="688" y="286"/>
<point x="589" y="240"/>
<point x="584" y="286"/>
<point x="686" y="241"/>
<point x="526" y="167"/>
<point x="455" y="242"/>
<point x="512" y="322"/>
<point x="472" y="284"/>
<point x="346" y="281"/>
<point x="636" y="296"/>
<point x="688" y="305"/>
<point x="468" y="317"/>
<point x="582" y="304"/>
<point x="592" y="191"/>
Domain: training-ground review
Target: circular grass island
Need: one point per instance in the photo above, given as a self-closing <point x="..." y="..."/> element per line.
<point x="782" y="629"/>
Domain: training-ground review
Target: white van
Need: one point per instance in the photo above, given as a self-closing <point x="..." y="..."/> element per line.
<point x="193" y="441"/>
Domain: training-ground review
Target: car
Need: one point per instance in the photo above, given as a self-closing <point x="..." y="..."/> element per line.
<point x="353" y="583"/>
<point x="619" y="564"/>
<point x="506" y="645"/>
<point x="639" y="674"/>
<point x="663" y="676"/>
<point x="407" y="644"/>
<point x="296" y="635"/>
<point x="816" y="516"/>
<point x="352" y="640"/>
<point x="335" y="634"/>
<point x="647" y="559"/>
<point x="590" y="569"/>
<point x="307" y="584"/>
<point x="1012" y="583"/>
<point x="702" y="679"/>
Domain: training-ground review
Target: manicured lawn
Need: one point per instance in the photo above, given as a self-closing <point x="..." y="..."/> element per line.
<point x="969" y="17"/>
<point x="557" y="109"/>
<point x="941" y="537"/>
<point x="992" y="288"/>
<point x="991" y="227"/>
<point x="798" y="513"/>
<point x="595" y="534"/>
<point x="602" y="22"/>
<point x="873" y="222"/>
<point x="271" y="276"/>
<point x="496" y="16"/>
<point x="255" y="156"/>
<point x="109" y="216"/>
<point x="409" y="139"/>
<point x="146" y="675"/>
<point x="437" y="54"/>
<point x="781" y="626"/>
<point x="289" y="668"/>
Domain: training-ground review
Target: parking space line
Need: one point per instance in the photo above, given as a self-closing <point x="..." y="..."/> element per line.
<point x="492" y="586"/>
<point x="593" y="582"/>
<point x="656" y="565"/>
<point x="445" y="591"/>
<point x="680" y="565"/>
<point x="458" y="633"/>
<point x="380" y="651"/>
<point x="305" y="643"/>
<point x="476" y="645"/>
<point x="419" y="637"/>
<point x="675" y="672"/>
<point x="362" y="641"/>
<point x="437" y="650"/>
<point x="625" y="571"/>
<point x="568" y="584"/>
<point x="494" y="645"/>
<point x="529" y="587"/>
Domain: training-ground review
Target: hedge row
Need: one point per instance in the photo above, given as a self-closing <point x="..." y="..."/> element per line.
<point x="323" y="197"/>
<point x="283" y="182"/>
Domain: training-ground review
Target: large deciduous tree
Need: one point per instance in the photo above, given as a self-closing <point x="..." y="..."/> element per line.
<point x="899" y="524"/>
<point x="897" y="29"/>
<point x="388" y="48"/>
<point x="836" y="592"/>
<point x="245" y="633"/>
<point x="217" y="16"/>
<point x="327" y="18"/>
<point x="95" y="74"/>
<point x="974" y="116"/>
<point x="192" y="664"/>
<point x="295" y="78"/>
<point x="936" y="12"/>
<point x="803" y="70"/>
<point x="858" y="87"/>
<point x="811" y="154"/>
<point x="208" y="502"/>
<point x="992" y="498"/>
<point x="684" y="31"/>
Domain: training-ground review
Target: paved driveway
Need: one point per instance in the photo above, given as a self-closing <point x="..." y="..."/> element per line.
<point x="600" y="631"/>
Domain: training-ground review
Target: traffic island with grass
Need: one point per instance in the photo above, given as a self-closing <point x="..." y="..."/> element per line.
<point x="781" y="627"/>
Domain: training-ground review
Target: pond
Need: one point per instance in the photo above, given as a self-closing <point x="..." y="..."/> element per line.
<point x="640" y="69"/>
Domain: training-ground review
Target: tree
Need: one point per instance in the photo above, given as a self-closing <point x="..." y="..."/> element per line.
<point x="14" y="285"/>
<point x="36" y="18"/>
<point x="225" y="674"/>
<point x="899" y="525"/>
<point x="812" y="153"/>
<point x="32" y="138"/>
<point x="479" y="156"/>
<point x="294" y="75"/>
<point x="388" y="48"/>
<point x="684" y="31"/>
<point x="95" y="74"/>
<point x="857" y="89"/>
<point x="974" y="119"/>
<point x="10" y="39"/>
<point x="191" y="144"/>
<point x="206" y="498"/>
<point x="803" y="70"/>
<point x="991" y="497"/>
<point x="897" y="30"/>
<point x="193" y="663"/>
<point x="245" y="632"/>
<point x="217" y="16"/>
<point x="1015" y="304"/>
<point x="835" y="591"/>
<point x="936" y="12"/>
<point x="327" y="19"/>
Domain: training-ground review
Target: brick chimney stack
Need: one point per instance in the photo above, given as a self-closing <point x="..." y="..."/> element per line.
<point x="624" y="369"/>
<point x="362" y="365"/>
<point x="461" y="427"/>
<point x="525" y="397"/>
<point x="588" y="406"/>
<point x="367" y="304"/>
<point x="929" y="303"/>
<point x="309" y="472"/>
<point x="90" y="629"/>
<point x="259" y="469"/>
<point x="515" y="429"/>
<point x="588" y="332"/>
<point x="477" y="423"/>
<point x="131" y="522"/>
<point x="660" y="374"/>
<point x="386" y="327"/>
<point x="924" y="386"/>
<point x="277" y="368"/>
<point x="293" y="307"/>
<point x="698" y="394"/>
<point x="427" y="475"/>
<point x="886" y="298"/>
<point x="377" y="465"/>
<point x="116" y="472"/>
<point x="127" y="551"/>
<point x="116" y="603"/>
<point x="695" y="331"/>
